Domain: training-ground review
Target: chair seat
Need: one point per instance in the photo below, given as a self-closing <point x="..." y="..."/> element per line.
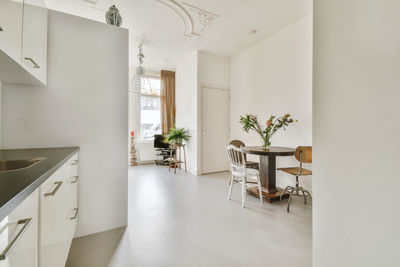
<point x="296" y="171"/>
<point x="252" y="165"/>
<point x="251" y="174"/>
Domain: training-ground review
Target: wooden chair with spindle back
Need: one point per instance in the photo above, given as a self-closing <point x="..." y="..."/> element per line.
<point x="304" y="155"/>
<point x="241" y="174"/>
<point x="249" y="164"/>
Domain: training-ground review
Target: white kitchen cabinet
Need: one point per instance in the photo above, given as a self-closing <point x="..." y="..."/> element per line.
<point x="19" y="235"/>
<point x="11" y="28"/>
<point x="23" y="42"/>
<point x="34" y="40"/>
<point x="58" y="214"/>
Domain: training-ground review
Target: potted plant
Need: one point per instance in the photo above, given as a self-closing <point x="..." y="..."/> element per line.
<point x="250" y="122"/>
<point x="178" y="135"/>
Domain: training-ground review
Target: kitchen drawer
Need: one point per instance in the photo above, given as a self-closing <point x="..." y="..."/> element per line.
<point x="58" y="213"/>
<point x="19" y="235"/>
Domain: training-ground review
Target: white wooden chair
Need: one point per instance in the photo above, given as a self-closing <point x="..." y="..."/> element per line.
<point x="240" y="174"/>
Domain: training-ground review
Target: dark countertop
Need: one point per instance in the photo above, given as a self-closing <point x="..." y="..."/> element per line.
<point x="17" y="185"/>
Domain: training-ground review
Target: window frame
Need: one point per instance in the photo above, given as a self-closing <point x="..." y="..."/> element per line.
<point x="139" y="109"/>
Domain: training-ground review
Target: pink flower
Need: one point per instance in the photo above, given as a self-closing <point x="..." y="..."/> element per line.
<point x="268" y="122"/>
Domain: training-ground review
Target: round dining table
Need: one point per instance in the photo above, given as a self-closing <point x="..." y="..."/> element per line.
<point x="267" y="157"/>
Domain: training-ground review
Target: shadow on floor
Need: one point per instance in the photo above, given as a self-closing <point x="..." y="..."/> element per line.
<point x="94" y="250"/>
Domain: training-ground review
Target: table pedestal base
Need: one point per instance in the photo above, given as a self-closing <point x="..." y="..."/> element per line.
<point x="268" y="197"/>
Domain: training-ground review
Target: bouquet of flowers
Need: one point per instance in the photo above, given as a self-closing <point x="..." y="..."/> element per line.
<point x="250" y="122"/>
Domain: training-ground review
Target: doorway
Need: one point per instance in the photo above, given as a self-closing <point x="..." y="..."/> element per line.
<point x="215" y="129"/>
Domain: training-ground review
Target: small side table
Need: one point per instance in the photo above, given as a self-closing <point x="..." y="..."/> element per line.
<point x="175" y="157"/>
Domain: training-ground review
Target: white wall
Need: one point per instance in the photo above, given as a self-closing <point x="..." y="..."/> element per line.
<point x="213" y="73"/>
<point x="187" y="105"/>
<point x="356" y="133"/>
<point x="275" y="77"/>
<point x="85" y="104"/>
<point x="196" y="70"/>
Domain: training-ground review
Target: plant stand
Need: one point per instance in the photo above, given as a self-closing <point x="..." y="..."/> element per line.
<point x="175" y="158"/>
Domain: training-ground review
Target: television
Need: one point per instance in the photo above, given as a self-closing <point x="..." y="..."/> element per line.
<point x="160" y="142"/>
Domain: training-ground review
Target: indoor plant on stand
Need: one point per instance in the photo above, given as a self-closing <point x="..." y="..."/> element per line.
<point x="250" y="122"/>
<point x="176" y="137"/>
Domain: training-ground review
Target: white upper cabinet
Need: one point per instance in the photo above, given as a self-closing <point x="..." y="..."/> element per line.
<point x="23" y="42"/>
<point x="34" y="41"/>
<point x="11" y="28"/>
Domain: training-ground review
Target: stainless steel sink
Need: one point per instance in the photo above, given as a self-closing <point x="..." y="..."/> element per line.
<point x="18" y="164"/>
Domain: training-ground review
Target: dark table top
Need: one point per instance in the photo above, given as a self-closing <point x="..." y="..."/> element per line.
<point x="17" y="185"/>
<point x="273" y="151"/>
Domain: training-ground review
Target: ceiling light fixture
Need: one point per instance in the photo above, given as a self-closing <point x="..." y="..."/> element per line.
<point x="140" y="71"/>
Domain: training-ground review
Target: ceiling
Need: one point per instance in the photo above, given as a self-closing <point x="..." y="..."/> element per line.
<point x="171" y="28"/>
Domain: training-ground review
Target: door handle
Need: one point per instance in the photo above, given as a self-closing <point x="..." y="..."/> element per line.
<point x="35" y="65"/>
<point x="75" y="179"/>
<point x="75" y="163"/>
<point x="76" y="214"/>
<point x="25" y="223"/>
<point x="55" y="189"/>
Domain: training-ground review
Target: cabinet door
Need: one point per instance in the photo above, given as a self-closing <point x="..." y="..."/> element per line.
<point x="34" y="40"/>
<point x="11" y="28"/>
<point x="19" y="235"/>
<point x="72" y="180"/>
<point x="59" y="214"/>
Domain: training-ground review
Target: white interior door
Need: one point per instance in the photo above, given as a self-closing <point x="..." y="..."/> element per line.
<point x="215" y="129"/>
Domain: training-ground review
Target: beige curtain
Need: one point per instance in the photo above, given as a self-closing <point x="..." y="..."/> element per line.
<point x="167" y="100"/>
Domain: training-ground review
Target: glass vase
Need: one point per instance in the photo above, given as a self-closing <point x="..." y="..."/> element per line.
<point x="266" y="144"/>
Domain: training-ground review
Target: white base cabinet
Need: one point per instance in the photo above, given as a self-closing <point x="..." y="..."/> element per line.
<point x="58" y="214"/>
<point x="39" y="232"/>
<point x="19" y="235"/>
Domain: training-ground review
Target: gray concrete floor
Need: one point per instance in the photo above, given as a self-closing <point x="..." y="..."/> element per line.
<point x="186" y="220"/>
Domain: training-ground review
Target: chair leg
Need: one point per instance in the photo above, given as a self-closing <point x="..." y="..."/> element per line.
<point x="290" y="199"/>
<point x="308" y="193"/>
<point x="243" y="190"/>
<point x="304" y="194"/>
<point x="259" y="189"/>
<point x="230" y="187"/>
<point x="283" y="192"/>
<point x="287" y="189"/>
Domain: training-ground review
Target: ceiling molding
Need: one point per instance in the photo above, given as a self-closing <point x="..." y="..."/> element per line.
<point x="205" y="18"/>
<point x="184" y="15"/>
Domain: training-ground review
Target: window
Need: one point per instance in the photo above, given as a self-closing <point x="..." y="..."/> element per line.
<point x="150" y="110"/>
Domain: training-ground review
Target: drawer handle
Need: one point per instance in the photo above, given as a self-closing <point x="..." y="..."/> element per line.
<point x="35" y="65"/>
<point x="76" y="214"/>
<point x="75" y="162"/>
<point x="25" y="223"/>
<point x="55" y="189"/>
<point x="75" y="179"/>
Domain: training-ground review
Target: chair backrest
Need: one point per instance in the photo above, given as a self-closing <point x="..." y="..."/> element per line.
<point x="238" y="144"/>
<point x="304" y="154"/>
<point x="236" y="158"/>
